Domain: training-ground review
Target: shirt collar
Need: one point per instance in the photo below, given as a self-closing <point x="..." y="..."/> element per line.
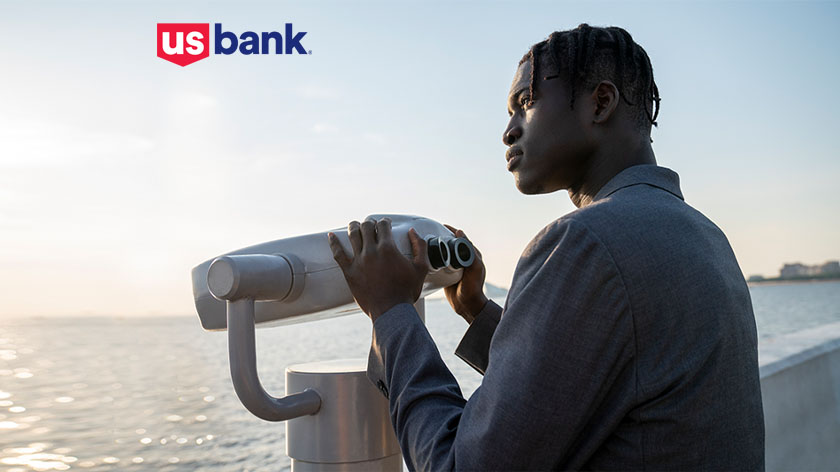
<point x="650" y="174"/>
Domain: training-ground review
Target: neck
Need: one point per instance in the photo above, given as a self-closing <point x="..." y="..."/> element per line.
<point x="606" y="164"/>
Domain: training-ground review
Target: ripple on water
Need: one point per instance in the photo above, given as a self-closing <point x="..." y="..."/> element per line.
<point x="34" y="457"/>
<point x="12" y="425"/>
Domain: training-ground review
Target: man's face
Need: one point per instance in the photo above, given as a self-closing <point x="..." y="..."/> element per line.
<point x="549" y="144"/>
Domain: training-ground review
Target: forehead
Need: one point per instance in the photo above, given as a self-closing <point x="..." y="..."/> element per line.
<point x="521" y="79"/>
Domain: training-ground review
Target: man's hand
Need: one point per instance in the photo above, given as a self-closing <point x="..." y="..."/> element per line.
<point x="467" y="296"/>
<point x="379" y="276"/>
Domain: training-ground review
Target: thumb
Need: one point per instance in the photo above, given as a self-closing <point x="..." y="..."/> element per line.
<point x="419" y="249"/>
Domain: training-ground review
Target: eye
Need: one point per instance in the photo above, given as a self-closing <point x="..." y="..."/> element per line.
<point x="525" y="101"/>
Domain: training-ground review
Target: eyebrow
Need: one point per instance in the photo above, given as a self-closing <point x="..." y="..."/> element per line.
<point x="513" y="98"/>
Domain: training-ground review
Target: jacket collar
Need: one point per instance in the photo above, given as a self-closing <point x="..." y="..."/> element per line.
<point x="649" y="174"/>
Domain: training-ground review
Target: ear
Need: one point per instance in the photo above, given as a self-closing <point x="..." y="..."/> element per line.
<point x="605" y="97"/>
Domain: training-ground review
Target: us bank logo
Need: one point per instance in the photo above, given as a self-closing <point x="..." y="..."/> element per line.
<point x="185" y="43"/>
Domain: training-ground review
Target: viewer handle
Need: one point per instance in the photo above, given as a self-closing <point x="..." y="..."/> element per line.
<point x="240" y="280"/>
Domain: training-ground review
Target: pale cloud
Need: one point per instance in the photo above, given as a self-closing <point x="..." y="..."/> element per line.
<point x="317" y="92"/>
<point x="324" y="128"/>
<point x="35" y="144"/>
<point x="375" y="138"/>
<point x="203" y="101"/>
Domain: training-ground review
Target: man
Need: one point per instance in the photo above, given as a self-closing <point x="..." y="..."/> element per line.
<point x="627" y="340"/>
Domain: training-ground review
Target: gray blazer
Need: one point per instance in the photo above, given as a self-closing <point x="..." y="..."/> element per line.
<point x="627" y="341"/>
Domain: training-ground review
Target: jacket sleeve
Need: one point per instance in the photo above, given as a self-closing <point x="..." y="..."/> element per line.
<point x="565" y="336"/>
<point x="474" y="348"/>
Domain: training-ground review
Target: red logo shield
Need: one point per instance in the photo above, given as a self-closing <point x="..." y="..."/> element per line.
<point x="183" y="43"/>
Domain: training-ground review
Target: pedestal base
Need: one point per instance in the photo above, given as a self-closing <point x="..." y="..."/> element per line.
<point x="352" y="430"/>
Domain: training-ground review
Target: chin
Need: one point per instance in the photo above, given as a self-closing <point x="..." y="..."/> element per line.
<point x="529" y="188"/>
<point x="533" y="187"/>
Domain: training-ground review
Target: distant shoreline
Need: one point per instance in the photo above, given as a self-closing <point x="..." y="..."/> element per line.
<point x="793" y="280"/>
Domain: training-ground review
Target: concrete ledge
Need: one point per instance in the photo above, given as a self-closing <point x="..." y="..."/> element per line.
<point x="800" y="387"/>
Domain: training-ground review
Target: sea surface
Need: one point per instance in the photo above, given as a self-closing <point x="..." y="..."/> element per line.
<point x="112" y="393"/>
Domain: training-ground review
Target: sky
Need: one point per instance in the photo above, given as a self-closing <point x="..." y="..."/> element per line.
<point x="120" y="171"/>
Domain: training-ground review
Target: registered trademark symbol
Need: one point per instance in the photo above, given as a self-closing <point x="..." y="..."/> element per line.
<point x="309" y="52"/>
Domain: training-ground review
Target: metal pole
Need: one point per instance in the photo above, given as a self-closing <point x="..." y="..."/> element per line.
<point x="243" y="371"/>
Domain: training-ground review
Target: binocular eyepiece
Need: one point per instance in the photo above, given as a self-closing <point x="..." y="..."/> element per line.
<point x="457" y="253"/>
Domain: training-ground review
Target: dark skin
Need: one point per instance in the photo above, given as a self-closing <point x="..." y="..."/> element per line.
<point x="576" y="150"/>
<point x="380" y="277"/>
<point x="551" y="147"/>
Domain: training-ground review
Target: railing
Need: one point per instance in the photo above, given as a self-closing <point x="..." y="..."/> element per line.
<point x="800" y="388"/>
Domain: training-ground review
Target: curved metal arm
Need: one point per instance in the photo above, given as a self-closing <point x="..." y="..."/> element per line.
<point x="240" y="280"/>
<point x="243" y="371"/>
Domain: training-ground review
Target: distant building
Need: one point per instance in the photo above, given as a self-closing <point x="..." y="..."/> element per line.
<point x="831" y="268"/>
<point x="794" y="270"/>
<point x="801" y="270"/>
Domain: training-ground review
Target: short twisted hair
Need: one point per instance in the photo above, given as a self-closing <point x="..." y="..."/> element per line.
<point x="587" y="55"/>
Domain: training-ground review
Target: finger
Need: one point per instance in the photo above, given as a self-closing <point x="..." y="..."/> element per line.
<point x="460" y="234"/>
<point x="451" y="228"/>
<point x="368" y="235"/>
<point x="383" y="232"/>
<point x="419" y="250"/>
<point x="354" y="234"/>
<point x="457" y="232"/>
<point x="339" y="254"/>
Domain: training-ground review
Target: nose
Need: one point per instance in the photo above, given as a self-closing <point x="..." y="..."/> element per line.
<point x="512" y="133"/>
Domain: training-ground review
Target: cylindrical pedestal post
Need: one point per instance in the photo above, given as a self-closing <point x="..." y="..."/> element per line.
<point x="352" y="431"/>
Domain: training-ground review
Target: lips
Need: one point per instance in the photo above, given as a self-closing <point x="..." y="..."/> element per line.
<point x="513" y="156"/>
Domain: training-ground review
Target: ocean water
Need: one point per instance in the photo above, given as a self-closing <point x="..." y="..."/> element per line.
<point x="111" y="393"/>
